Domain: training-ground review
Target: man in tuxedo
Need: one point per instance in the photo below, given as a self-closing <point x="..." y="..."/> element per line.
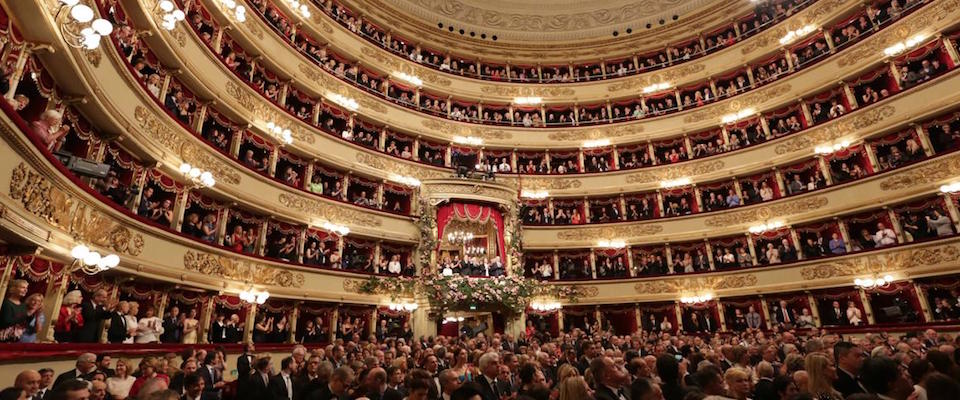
<point x="837" y="315"/>
<point x="213" y="383"/>
<point x="336" y="389"/>
<point x="86" y="366"/>
<point x="708" y="325"/>
<point x="171" y="331"/>
<point x="245" y="360"/>
<point x="589" y="352"/>
<point x="375" y="386"/>
<point x="753" y="318"/>
<point x="282" y="385"/>
<point x="449" y="383"/>
<point x="178" y="381"/>
<point x="234" y="329"/>
<point x="608" y="380"/>
<point x="218" y="330"/>
<point x="849" y="360"/>
<point x="103" y="365"/>
<point x="46" y="383"/>
<point x="489" y="369"/>
<point x="193" y="388"/>
<point x="119" y="331"/>
<point x="93" y="311"/>
<point x="256" y="386"/>
<point x="432" y="366"/>
<point x="784" y="314"/>
<point x="29" y="382"/>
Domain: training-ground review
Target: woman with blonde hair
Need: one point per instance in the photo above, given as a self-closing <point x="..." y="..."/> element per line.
<point x="149" y="368"/>
<point x="118" y="385"/>
<point x="738" y="383"/>
<point x="35" y="323"/>
<point x="70" y="319"/>
<point x="821" y="373"/>
<point x="575" y="388"/>
<point x="14" y="313"/>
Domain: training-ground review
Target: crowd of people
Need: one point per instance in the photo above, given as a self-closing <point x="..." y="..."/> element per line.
<point x="577" y="365"/>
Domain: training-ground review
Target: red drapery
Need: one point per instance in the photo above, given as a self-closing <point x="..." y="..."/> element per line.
<point x="473" y="213"/>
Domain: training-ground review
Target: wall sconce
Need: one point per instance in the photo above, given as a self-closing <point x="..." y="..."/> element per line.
<point x="197" y="176"/>
<point x="796" y="34"/>
<point x="769" y="226"/>
<point x="468" y="140"/>
<point x="338" y="229"/>
<point x="701" y="298"/>
<point x="343" y="101"/>
<point x="545" y="306"/>
<point x="587" y="144"/>
<point x="834" y="148"/>
<point x="746" y="112"/>
<point x="405" y="305"/>
<point x="905" y="45"/>
<point x="91" y="262"/>
<point x="81" y="30"/>
<point x="672" y="183"/>
<point x="170" y="14"/>
<point x="254" y="296"/>
<point x="282" y="134"/>
<point x="657" y="87"/>
<point x="950" y="188"/>
<point x="870" y="283"/>
<point x="300" y="8"/>
<point x="527" y="100"/>
<point x="405" y="180"/>
<point x="534" y="194"/>
<point x="612" y="243"/>
<point x="416" y="81"/>
<point x="239" y="11"/>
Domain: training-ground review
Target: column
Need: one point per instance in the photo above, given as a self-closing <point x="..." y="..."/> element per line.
<point x="814" y="310"/>
<point x="805" y="109"/>
<point x="851" y="97"/>
<point x="679" y="314"/>
<point x="201" y="116"/>
<point x="795" y="238"/>
<point x="222" y="215"/>
<point x="825" y="170"/>
<point x="262" y="239"/>
<point x="179" y="208"/>
<point x="206" y="317"/>
<point x="616" y="158"/>
<point x="865" y="300"/>
<point x="669" y="254"/>
<point x="376" y="258"/>
<point x="652" y="154"/>
<point x="872" y="157"/>
<point x="780" y="184"/>
<point x="765" y="309"/>
<point x="924" y="139"/>
<point x="292" y="321"/>
<point x="308" y="175"/>
<point x="593" y="264"/>
<point x="660" y="201"/>
<point x="753" y="249"/>
<point x="235" y="144"/>
<point x="301" y="244"/>
<point x="924" y="302"/>
<point x="750" y="77"/>
<point x="721" y="314"/>
<point x="560" y="320"/>
<point x="17" y="75"/>
<point x="895" y="221"/>
<point x="952" y="210"/>
<point x="630" y="270"/>
<point x="738" y="189"/>
<point x="249" y="323"/>
<point x="53" y="299"/>
<point x="556" y="265"/>
<point x="844" y="234"/>
<point x="710" y="260"/>
<point x="334" y="319"/>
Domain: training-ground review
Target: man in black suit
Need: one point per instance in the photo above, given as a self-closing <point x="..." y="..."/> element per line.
<point x="589" y="352"/>
<point x="837" y="315"/>
<point x="178" y="381"/>
<point x="336" y="389"/>
<point x="119" y="331"/>
<point x="608" y="380"/>
<point x="245" y="360"/>
<point x="257" y="385"/>
<point x="282" y="385"/>
<point x="784" y="314"/>
<point x="375" y="386"/>
<point x="218" y="330"/>
<point x="849" y="359"/>
<point x="193" y="388"/>
<point x="489" y="368"/>
<point x="171" y="328"/>
<point x="234" y="329"/>
<point x="213" y="383"/>
<point x="93" y="312"/>
<point x="86" y="366"/>
<point x="103" y="365"/>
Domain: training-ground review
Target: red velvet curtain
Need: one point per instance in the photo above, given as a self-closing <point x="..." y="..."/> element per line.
<point x="473" y="213"/>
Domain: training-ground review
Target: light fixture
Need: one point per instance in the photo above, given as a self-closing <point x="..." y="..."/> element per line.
<point x="413" y="79"/>
<point x="734" y="117"/>
<point x="452" y="320"/>
<point x="796" y="34"/>
<point x="459" y="236"/>
<point x="300" y="8"/>
<point x="768" y="226"/>
<point x="534" y="194"/>
<point x="527" y="100"/>
<point x="81" y="29"/>
<point x="950" y="188"/>
<point x="905" y="45"/>
<point x="91" y="262"/>
<point x="870" y="283"/>
<point x="672" y="183"/>
<point x="595" y="143"/>
<point x="405" y="180"/>
<point x="468" y="140"/>
<point x="475" y="250"/>
<point x="612" y="243"/>
<point x="827" y="149"/>
<point x="544" y="306"/>
<point x="280" y="133"/>
<point x="700" y="298"/>
<point x="197" y="176"/>
<point x="335" y="228"/>
<point x="343" y="101"/>
<point x="239" y="11"/>
<point x="254" y="296"/>
<point x="408" y="306"/>
<point x="169" y="14"/>
<point x="656" y="87"/>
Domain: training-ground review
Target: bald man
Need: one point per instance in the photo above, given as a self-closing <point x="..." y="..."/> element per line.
<point x="29" y="382"/>
<point x="375" y="384"/>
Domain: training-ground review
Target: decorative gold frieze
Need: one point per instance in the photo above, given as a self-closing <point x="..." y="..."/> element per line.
<point x="765" y="213"/>
<point x="42" y="198"/>
<point x="392" y="287"/>
<point x="834" y="130"/>
<point x="255" y="30"/>
<point x="527" y="91"/>
<point x="382" y="163"/>
<point x="442" y="189"/>
<point x="905" y="29"/>
<point x="614" y="131"/>
<point x="609" y="232"/>
<point x="928" y="174"/>
<point x="426" y="75"/>
<point x="699" y="284"/>
<point x="738" y="103"/>
<point x="258" y="108"/>
<point x="679" y="171"/>
<point x="336" y="86"/>
<point x="673" y="74"/>
<point x="550" y="184"/>
<point x="450" y="128"/>
<point x="189" y="152"/>
<point x="331" y="212"/>
<point x="241" y="270"/>
<point x="321" y="20"/>
<point x="881" y="263"/>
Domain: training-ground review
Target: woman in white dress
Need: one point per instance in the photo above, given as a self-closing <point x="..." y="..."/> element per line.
<point x="853" y="314"/>
<point x="394" y="266"/>
<point x="773" y="255"/>
<point x="149" y="328"/>
<point x="131" y="317"/>
<point x="666" y="326"/>
<point x="190" y="327"/>
<point x="118" y="385"/>
<point x="546" y="271"/>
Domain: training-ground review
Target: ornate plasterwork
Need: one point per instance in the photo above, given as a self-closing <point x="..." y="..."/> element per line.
<point x="255" y="30"/>
<point x="426" y="75"/>
<point x="674" y="74"/>
<point x="395" y="290"/>
<point x="259" y="109"/>
<point x="527" y="91"/>
<point x="613" y="132"/>
<point x="453" y="129"/>
<point x="928" y="174"/>
<point x="241" y="270"/>
<point x="765" y="213"/>
<point x="335" y="86"/>
<point x="443" y="189"/>
<point x="881" y="263"/>
<point x="831" y="131"/>
<point x="331" y="212"/>
<point x="188" y="151"/>
<point x="738" y="103"/>
<point x="674" y="172"/>
<point x="811" y="15"/>
<point x="550" y="184"/>
<point x="321" y="20"/>
<point x="42" y="198"/>
<point x="906" y="28"/>
<point x="396" y="167"/>
<point x="609" y="232"/>
<point x="700" y="284"/>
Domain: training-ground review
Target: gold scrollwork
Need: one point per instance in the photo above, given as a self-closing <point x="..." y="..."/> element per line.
<point x="906" y="28"/>
<point x="241" y="270"/>
<point x="331" y="212"/>
<point x="811" y="15"/>
<point x="610" y="232"/>
<point x="738" y="103"/>
<point x="835" y="130"/>
<point x="928" y="174"/>
<point x="674" y="172"/>
<point x="456" y="129"/>
<point x="551" y="184"/>
<point x="880" y="263"/>
<point x="399" y="168"/>
<point x="669" y="75"/>
<point x="764" y="213"/>
<point x="690" y="285"/>
<point x="613" y="132"/>
<point x="527" y="91"/>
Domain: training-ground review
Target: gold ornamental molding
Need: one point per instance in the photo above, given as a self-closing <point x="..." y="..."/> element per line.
<point x="360" y="286"/>
<point x="42" y="198"/>
<point x="683" y="285"/>
<point x="257" y="106"/>
<point x="528" y="91"/>
<point x="336" y="86"/>
<point x="679" y="171"/>
<point x="549" y="184"/>
<point x="738" y="103"/>
<point x="609" y="232"/>
<point x="425" y="74"/>
<point x="462" y="130"/>
<point x="765" y="213"/>
<point x="399" y="168"/>
<point x="251" y="25"/>
<point x="241" y="270"/>
<point x="925" y="17"/>
<point x="615" y="131"/>
<point x="835" y="130"/>
<point x="331" y="212"/>
<point x="881" y="263"/>
<point x="189" y="152"/>
<point x="926" y="175"/>
<point x="443" y="189"/>
<point x="814" y="13"/>
<point x="321" y="20"/>
<point x="669" y="75"/>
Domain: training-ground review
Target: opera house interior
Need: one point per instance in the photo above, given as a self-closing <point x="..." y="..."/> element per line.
<point x="480" y="200"/>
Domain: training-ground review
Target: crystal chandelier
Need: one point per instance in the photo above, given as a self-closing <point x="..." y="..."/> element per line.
<point x="459" y="236"/>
